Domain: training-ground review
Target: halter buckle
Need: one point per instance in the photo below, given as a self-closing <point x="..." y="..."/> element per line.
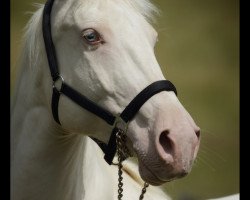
<point x="120" y="123"/>
<point x="58" y="83"/>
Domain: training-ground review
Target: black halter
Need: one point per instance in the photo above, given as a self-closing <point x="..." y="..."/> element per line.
<point x="128" y="113"/>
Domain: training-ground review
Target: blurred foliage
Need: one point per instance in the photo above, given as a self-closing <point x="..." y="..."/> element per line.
<point x="198" y="50"/>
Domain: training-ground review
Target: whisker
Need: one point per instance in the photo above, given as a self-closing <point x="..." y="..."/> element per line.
<point x="196" y="163"/>
<point x="208" y="150"/>
<point x="205" y="162"/>
<point x="209" y="133"/>
<point x="159" y="30"/>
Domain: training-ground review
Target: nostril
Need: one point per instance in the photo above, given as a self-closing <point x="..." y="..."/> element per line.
<point x="198" y="133"/>
<point x="166" y="142"/>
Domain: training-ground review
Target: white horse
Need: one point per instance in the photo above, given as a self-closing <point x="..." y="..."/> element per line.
<point x="105" y="50"/>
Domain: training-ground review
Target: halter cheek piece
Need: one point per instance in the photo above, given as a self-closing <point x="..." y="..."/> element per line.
<point x="128" y="113"/>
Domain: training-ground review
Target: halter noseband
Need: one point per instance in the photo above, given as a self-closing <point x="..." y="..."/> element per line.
<point x="128" y="113"/>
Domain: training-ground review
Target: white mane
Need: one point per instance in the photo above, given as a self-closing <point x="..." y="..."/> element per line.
<point x="145" y="7"/>
<point x="33" y="38"/>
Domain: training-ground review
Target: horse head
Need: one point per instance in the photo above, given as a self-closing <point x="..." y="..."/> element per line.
<point x="105" y="50"/>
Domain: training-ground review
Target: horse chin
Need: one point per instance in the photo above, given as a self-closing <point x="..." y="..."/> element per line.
<point x="148" y="176"/>
<point x="151" y="177"/>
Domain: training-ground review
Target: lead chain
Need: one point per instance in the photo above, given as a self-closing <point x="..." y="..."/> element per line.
<point x="123" y="153"/>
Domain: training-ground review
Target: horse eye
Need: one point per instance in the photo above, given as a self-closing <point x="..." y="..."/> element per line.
<point x="91" y="36"/>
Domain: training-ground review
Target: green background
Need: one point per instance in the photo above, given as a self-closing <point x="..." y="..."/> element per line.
<point x="198" y="50"/>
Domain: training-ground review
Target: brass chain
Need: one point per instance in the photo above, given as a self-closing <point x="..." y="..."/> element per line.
<point x="123" y="153"/>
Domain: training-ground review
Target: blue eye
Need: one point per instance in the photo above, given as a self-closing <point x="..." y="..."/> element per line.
<point x="91" y="36"/>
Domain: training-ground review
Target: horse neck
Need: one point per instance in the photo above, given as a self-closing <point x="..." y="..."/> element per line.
<point x="48" y="162"/>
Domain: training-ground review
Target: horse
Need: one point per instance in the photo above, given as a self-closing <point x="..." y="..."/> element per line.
<point x="104" y="50"/>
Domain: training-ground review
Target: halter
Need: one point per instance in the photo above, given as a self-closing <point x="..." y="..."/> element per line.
<point x="114" y="120"/>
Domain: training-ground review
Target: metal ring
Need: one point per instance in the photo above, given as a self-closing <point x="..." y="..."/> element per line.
<point x="61" y="79"/>
<point x="120" y="123"/>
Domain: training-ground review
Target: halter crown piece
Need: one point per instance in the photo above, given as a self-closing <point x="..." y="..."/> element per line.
<point x="128" y="113"/>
